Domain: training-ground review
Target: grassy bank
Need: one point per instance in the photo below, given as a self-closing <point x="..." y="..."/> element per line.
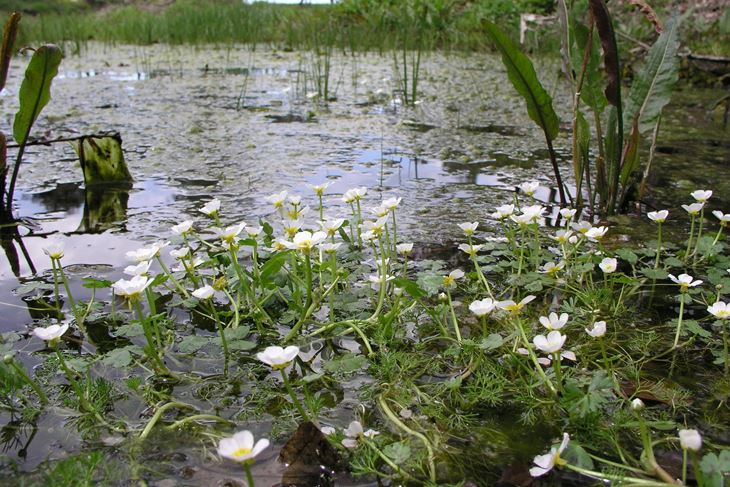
<point x="350" y="24"/>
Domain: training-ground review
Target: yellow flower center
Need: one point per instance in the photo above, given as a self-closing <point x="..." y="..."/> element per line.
<point x="241" y="452"/>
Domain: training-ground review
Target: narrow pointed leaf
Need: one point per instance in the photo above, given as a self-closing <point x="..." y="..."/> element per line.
<point x="610" y="50"/>
<point x="652" y="88"/>
<point x="522" y="74"/>
<point x="10" y="32"/>
<point x="35" y="92"/>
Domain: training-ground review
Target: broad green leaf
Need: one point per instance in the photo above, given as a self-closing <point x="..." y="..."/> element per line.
<point x="273" y="265"/>
<point x="35" y="91"/>
<point x="493" y="341"/>
<point x="191" y="344"/>
<point x="238" y="344"/>
<point x="652" y="88"/>
<point x="410" y="287"/>
<point x="399" y="452"/>
<point x="129" y="331"/>
<point x="348" y="363"/>
<point x="93" y="283"/>
<point x="522" y="74"/>
<point x="120" y="357"/>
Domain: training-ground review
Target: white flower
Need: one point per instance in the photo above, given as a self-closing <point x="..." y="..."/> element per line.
<point x="551" y="343"/>
<point x="54" y="250"/>
<point x="482" y="307"/>
<point x="331" y="226"/>
<point x="146" y="253"/>
<point x="694" y="208"/>
<point x="291" y="227"/>
<point x="329" y="247"/>
<point x="532" y="213"/>
<point x="295" y="200"/>
<point x="380" y="211"/>
<point x="354" y="194"/>
<point x="701" y="195"/>
<point x="719" y="310"/>
<point x="205" y="292"/>
<point x="690" y="439"/>
<point x="277" y="199"/>
<point x="581" y="227"/>
<point x="183" y="227"/>
<point x="50" y="333"/>
<point x="512" y="307"/>
<point x="562" y="236"/>
<point x="723" y="217"/>
<point x="637" y="404"/>
<point x="375" y="280"/>
<point x="596" y="233"/>
<point x="392" y="203"/>
<point x="404" y="248"/>
<point x="450" y="280"/>
<point x="306" y="241"/>
<point x="598" y="330"/>
<point x="354" y="432"/>
<point x="278" y="357"/>
<point x="504" y="211"/>
<point x="469" y="227"/>
<point x="319" y="188"/>
<point x="529" y="187"/>
<point x="685" y="281"/>
<point x="254" y="231"/>
<point x="545" y="463"/>
<point x="211" y="208"/>
<point x="230" y="233"/>
<point x="658" y="216"/>
<point x="608" y="265"/>
<point x="521" y="219"/>
<point x="327" y="430"/>
<point x="181" y="253"/>
<point x="141" y="269"/>
<point x="131" y="289"/>
<point x="568" y="213"/>
<point x="553" y="321"/>
<point x="552" y="267"/>
<point x="470" y="249"/>
<point x="240" y="447"/>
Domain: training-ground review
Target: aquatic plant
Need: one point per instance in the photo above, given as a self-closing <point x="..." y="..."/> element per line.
<point x="553" y="330"/>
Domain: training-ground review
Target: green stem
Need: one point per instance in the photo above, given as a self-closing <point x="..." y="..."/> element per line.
<point x="293" y="396"/>
<point x="167" y="272"/>
<point x="249" y="475"/>
<point x="453" y="316"/>
<point x="33" y="384"/>
<point x="658" y="247"/>
<point x="558" y="372"/>
<point x="158" y="414"/>
<point x="724" y="345"/>
<point x="679" y="321"/>
<point x="224" y="341"/>
<point x="691" y="235"/>
<point x="394" y="419"/>
<point x="197" y="417"/>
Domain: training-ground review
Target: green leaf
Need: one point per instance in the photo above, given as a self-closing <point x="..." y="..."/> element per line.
<point x="273" y="265"/>
<point x="399" y="452"/>
<point x="694" y="327"/>
<point x="238" y="332"/>
<point x="410" y="287"/>
<point x="713" y="468"/>
<point x="102" y="159"/>
<point x="309" y="378"/>
<point x="92" y="283"/>
<point x="346" y="364"/>
<point x="652" y="88"/>
<point x="35" y="91"/>
<point x="493" y="341"/>
<point x="119" y="357"/>
<point x="522" y="74"/>
<point x="191" y="344"/>
<point x="238" y="344"/>
<point x="129" y="331"/>
<point x="627" y="255"/>
<point x="652" y="273"/>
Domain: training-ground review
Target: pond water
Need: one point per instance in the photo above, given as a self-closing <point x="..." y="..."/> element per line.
<point x="238" y="125"/>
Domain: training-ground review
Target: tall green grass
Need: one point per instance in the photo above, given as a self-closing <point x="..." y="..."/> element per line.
<point x="354" y="24"/>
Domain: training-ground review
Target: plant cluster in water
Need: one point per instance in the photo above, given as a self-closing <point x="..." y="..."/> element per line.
<point x="541" y="326"/>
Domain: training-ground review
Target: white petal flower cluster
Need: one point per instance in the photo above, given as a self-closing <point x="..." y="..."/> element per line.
<point x="240" y="447"/>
